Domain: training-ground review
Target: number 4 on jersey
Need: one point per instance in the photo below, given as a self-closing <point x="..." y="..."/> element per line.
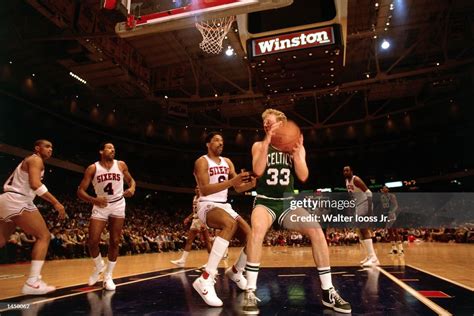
<point x="108" y="189"/>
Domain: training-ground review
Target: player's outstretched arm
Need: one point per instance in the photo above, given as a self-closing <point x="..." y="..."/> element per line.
<point x="248" y="181"/>
<point x="35" y="166"/>
<point x="202" y="178"/>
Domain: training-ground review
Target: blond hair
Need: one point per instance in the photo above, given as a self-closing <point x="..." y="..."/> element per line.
<point x="280" y="116"/>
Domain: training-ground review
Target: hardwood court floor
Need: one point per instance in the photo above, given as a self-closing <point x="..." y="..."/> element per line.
<point x="451" y="261"/>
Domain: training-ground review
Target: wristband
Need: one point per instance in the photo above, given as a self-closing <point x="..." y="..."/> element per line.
<point x="41" y="190"/>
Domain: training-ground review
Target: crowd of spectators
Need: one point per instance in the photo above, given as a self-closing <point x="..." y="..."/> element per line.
<point x="149" y="229"/>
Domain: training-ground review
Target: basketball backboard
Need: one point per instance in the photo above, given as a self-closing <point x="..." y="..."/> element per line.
<point x="318" y="17"/>
<point x="154" y="16"/>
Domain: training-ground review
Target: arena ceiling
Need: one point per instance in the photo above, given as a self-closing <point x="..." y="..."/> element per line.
<point x="148" y="84"/>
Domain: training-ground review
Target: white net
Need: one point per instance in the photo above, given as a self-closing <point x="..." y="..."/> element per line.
<point x="213" y="33"/>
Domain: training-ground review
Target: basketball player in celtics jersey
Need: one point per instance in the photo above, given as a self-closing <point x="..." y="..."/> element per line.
<point x="276" y="171"/>
<point x="107" y="176"/>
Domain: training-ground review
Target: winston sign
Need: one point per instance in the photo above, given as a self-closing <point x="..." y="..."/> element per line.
<point x="293" y="41"/>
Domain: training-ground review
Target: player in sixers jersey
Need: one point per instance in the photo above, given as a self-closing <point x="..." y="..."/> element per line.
<point x="276" y="171"/>
<point x="363" y="197"/>
<point x="17" y="209"/>
<point x="107" y="176"/>
<point x="215" y="175"/>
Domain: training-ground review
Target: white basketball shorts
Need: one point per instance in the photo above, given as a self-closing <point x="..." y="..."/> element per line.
<point x="114" y="209"/>
<point x="13" y="204"/>
<point x="205" y="206"/>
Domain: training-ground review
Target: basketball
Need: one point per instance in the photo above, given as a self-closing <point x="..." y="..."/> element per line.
<point x="286" y="137"/>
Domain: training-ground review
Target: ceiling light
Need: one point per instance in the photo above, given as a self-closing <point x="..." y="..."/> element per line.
<point x="376" y="4"/>
<point x="77" y="77"/>
<point x="385" y="44"/>
<point x="229" y="51"/>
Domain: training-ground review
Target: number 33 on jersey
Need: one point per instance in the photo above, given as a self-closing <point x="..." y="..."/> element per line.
<point x="278" y="177"/>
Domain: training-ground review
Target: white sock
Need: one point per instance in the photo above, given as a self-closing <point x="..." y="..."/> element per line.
<point x="393" y="245"/>
<point x="241" y="261"/>
<point x="110" y="267"/>
<point x="369" y="247"/>
<point x="98" y="261"/>
<point x="251" y="270"/>
<point x="325" y="277"/>
<point x="35" y="270"/>
<point x="184" y="256"/>
<point x="363" y="245"/>
<point x="217" y="252"/>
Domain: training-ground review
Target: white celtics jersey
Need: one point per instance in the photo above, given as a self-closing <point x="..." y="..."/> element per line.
<point x="355" y="191"/>
<point x="19" y="183"/>
<point x="108" y="182"/>
<point x="217" y="173"/>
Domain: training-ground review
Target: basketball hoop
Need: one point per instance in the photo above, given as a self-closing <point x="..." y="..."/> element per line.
<point x="213" y="33"/>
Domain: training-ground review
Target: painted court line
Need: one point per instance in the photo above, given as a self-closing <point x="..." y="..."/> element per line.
<point x="99" y="289"/>
<point x="77" y="284"/>
<point x="442" y="278"/>
<point x="291" y="275"/>
<point x="429" y="303"/>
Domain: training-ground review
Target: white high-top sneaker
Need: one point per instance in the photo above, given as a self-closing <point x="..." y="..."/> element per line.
<point x="38" y="287"/>
<point x="94" y="277"/>
<point x="109" y="284"/>
<point x="205" y="288"/>
<point x="238" y="278"/>
<point x="180" y="263"/>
